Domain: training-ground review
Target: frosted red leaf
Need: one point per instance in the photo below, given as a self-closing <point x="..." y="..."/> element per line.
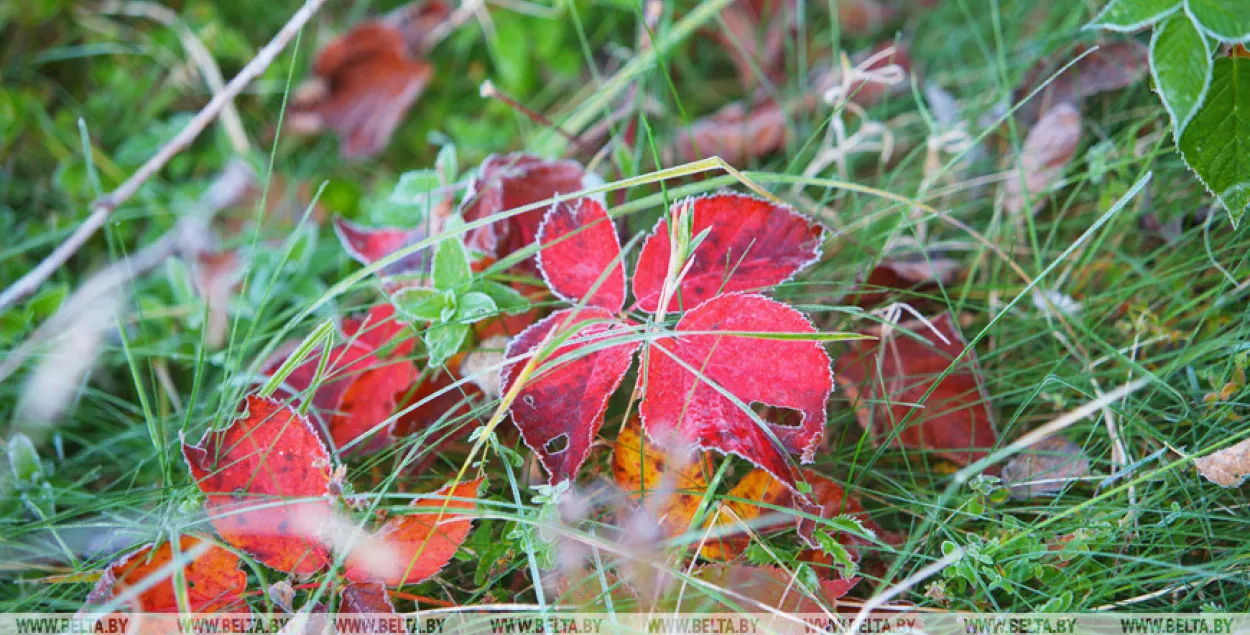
<point x="437" y="404"/>
<point x="753" y="244"/>
<point x="561" y="408"/>
<point x="381" y="331"/>
<point x="579" y="245"/>
<point x="258" y="475"/>
<point x="506" y="182"/>
<point x="365" y="83"/>
<point x="679" y="406"/>
<point x="423" y="542"/>
<point x="955" y="422"/>
<point x="368" y="245"/>
<point x="365" y="597"/>
<point x="214" y="582"/>
<point x="366" y="403"/>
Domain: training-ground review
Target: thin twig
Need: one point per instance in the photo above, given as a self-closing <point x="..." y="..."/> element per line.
<point x="104" y="207"/>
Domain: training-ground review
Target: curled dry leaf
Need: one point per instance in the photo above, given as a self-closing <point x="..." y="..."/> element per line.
<point x="1110" y="67"/>
<point x="752" y="244"/>
<point x="1228" y="467"/>
<point x="265" y="477"/>
<point x="1047" y="150"/>
<point x="423" y="541"/>
<point x="365" y="82"/>
<point x="214" y="582"/>
<point x="1046" y="467"/>
<point x="886" y="380"/>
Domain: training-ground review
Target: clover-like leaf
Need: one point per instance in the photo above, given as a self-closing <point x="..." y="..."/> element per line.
<point x="1181" y="63"/>
<point x="214" y="582"/>
<point x="423" y="540"/>
<point x="887" y="378"/>
<point x="752" y="244"/>
<point x="266" y="477"/>
<point x="474" y="306"/>
<point x="561" y="408"/>
<point x="1216" y="143"/>
<point x="691" y="378"/>
<point x="581" y="253"/>
<point x="442" y="341"/>
<point x="420" y="304"/>
<point x="1131" y="15"/>
<point x="507" y="299"/>
<point x="451" y="265"/>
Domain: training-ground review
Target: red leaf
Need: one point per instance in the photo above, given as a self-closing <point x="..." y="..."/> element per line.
<point x="367" y="84"/>
<point x="560" y="410"/>
<point x="448" y="410"/>
<point x="680" y="407"/>
<point x="367" y="402"/>
<point x="506" y="182"/>
<point x="380" y="329"/>
<point x="955" y="422"/>
<point x="424" y="542"/>
<point x="366" y="597"/>
<point x="345" y="364"/>
<point x="214" y="581"/>
<point x="579" y="245"/>
<point x="368" y="245"/>
<point x="753" y="244"/>
<point x="268" y="454"/>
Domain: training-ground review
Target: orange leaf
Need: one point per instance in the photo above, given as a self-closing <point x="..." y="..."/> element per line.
<point x="214" y="581"/>
<point x="671" y="487"/>
<point x="424" y="542"/>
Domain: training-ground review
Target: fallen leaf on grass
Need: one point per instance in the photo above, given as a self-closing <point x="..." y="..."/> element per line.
<point x="1046" y="467"/>
<point x="366" y="597"/>
<point x="1048" y="149"/>
<point x="365" y="83"/>
<point x="1111" y="67"/>
<point x="259" y="475"/>
<point x="368" y="245"/>
<point x="921" y="274"/>
<point x="669" y="485"/>
<point x="955" y="422"/>
<point x="214" y="582"/>
<point x="423" y="541"/>
<point x="1228" y="467"/>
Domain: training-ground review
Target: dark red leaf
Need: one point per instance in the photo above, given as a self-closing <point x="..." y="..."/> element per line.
<point x="423" y="542"/>
<point x="506" y="182"/>
<point x="366" y="597"/>
<point x="561" y="408"/>
<point x="254" y="473"/>
<point x="448" y="410"/>
<point x="368" y="245"/>
<point x="367" y="83"/>
<point x="214" y="581"/>
<point x="579" y="245"/>
<point x="381" y="331"/>
<point x="680" y="408"/>
<point x="955" y="422"/>
<point x="753" y="244"/>
<point x="367" y="402"/>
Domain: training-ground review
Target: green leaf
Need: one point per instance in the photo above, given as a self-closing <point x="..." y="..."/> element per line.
<point x="1228" y="20"/>
<point x="446" y="164"/>
<point x="473" y="307"/>
<point x="835" y="550"/>
<point x="1216" y="144"/>
<point x="24" y="459"/>
<point x="451" y="265"/>
<point x="422" y="305"/>
<point x="444" y="340"/>
<point x="508" y="300"/>
<point x="414" y="187"/>
<point x="1181" y="63"/>
<point x="1130" y="15"/>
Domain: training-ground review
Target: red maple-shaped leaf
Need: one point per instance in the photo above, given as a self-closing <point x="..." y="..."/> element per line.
<point x="507" y="182"/>
<point x="680" y="407"/>
<point x="420" y="543"/>
<point x="561" y="408"/>
<point x="263" y="475"/>
<point x="366" y="83"/>
<point x="368" y="245"/>
<point x="753" y="244"/>
<point x="365" y="597"/>
<point x="887" y="379"/>
<point x="214" y="582"/>
<point x="579" y="245"/>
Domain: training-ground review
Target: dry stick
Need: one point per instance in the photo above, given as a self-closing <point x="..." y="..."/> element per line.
<point x="104" y="207"/>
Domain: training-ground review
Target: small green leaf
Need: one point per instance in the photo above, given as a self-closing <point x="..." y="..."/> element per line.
<point x="1181" y="63"/>
<point x="422" y="305"/>
<point x="451" y="265"/>
<point x="474" y="306"/>
<point x="1130" y="15"/>
<point x="1228" y="20"/>
<point x="835" y="550"/>
<point x="446" y="164"/>
<point x="1216" y="143"/>
<point x="449" y="306"/>
<point x="414" y="187"/>
<point x="24" y="459"/>
<point x="444" y="340"/>
<point x="507" y="299"/>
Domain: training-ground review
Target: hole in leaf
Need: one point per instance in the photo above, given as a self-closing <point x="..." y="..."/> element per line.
<point x="557" y="444"/>
<point x="778" y="415"/>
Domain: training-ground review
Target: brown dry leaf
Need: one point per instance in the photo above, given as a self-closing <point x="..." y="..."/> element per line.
<point x="1047" y="150"/>
<point x="215" y="276"/>
<point x="1110" y="67"/>
<point x="1228" y="467"/>
<point x="955" y="422"/>
<point x="364" y="84"/>
<point x="1046" y="467"/>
